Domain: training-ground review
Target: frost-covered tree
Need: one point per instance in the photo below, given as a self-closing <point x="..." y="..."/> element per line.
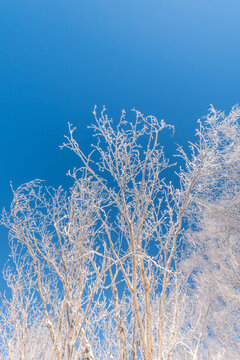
<point x="213" y="263"/>
<point x="128" y="264"/>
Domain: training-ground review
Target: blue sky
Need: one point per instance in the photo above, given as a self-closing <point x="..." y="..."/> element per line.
<point x="58" y="59"/>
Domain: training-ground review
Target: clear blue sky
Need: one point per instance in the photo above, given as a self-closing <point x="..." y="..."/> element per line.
<point x="169" y="58"/>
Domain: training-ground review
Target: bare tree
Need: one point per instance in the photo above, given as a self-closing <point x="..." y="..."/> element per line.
<point x="125" y="265"/>
<point x="57" y="269"/>
<point x="213" y="264"/>
<point x="144" y="235"/>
